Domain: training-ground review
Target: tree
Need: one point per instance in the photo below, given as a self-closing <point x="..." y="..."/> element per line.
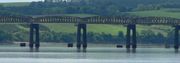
<point x="5" y="37"/>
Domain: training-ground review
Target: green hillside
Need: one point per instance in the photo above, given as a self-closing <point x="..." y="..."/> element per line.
<point x="12" y="28"/>
<point x="109" y="29"/>
<point x="15" y="4"/>
<point x="172" y="12"/>
<point x="80" y="15"/>
<point x="96" y="28"/>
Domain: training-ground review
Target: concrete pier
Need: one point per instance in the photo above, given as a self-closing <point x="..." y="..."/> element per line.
<point x="34" y="37"/>
<point x="176" y="38"/>
<point x="81" y="37"/>
<point x="131" y="40"/>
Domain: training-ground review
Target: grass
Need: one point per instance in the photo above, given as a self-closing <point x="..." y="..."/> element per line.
<point x="71" y="28"/>
<point x="159" y="13"/>
<point x="15" y="4"/>
<point x="81" y="15"/>
<point x="11" y="28"/>
<point x="109" y="29"/>
<point x="66" y="28"/>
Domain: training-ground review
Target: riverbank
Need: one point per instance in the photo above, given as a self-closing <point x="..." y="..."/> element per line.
<point x="92" y="47"/>
<point x="111" y="45"/>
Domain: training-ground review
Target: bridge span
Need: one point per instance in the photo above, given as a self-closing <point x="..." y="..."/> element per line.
<point x="90" y="20"/>
<point x="131" y="23"/>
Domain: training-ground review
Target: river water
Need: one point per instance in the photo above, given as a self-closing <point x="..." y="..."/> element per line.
<point x="93" y="55"/>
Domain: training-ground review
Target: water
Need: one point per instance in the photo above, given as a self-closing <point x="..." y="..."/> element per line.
<point x="93" y="55"/>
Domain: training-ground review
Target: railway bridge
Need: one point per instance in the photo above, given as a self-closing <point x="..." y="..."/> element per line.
<point x="131" y="23"/>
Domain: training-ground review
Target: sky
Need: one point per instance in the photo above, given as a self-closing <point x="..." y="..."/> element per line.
<point x="18" y="0"/>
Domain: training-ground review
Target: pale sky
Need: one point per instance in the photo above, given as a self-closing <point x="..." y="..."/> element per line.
<point x="19" y="0"/>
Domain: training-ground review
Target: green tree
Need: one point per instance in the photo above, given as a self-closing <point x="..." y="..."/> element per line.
<point x="5" y="37"/>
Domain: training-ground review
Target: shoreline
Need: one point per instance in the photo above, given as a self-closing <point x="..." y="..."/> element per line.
<point x="46" y="44"/>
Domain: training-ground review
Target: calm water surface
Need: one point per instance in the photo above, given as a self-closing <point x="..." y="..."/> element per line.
<point x="94" y="55"/>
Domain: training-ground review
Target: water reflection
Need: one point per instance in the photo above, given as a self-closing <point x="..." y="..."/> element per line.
<point x="176" y="50"/>
<point x="92" y="55"/>
<point x="128" y="50"/>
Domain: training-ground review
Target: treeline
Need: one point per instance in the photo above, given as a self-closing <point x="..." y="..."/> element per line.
<point x="98" y="7"/>
<point x="145" y="37"/>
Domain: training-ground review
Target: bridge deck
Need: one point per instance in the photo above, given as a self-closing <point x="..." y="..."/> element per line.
<point x="90" y="20"/>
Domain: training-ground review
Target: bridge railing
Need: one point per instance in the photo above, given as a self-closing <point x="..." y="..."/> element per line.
<point x="91" y="20"/>
<point x="157" y="20"/>
<point x="57" y="19"/>
<point x="15" y="19"/>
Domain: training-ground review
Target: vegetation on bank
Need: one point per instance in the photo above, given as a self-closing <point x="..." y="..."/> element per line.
<point x="20" y="33"/>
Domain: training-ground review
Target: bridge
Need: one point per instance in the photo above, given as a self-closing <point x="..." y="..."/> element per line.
<point x="131" y="23"/>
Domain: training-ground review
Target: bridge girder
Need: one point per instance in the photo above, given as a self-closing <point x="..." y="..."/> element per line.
<point x="91" y="20"/>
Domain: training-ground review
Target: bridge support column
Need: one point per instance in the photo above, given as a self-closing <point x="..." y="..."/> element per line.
<point x="176" y="38"/>
<point x="84" y="37"/>
<point x="128" y="38"/>
<point x="134" y="41"/>
<point x="31" y="38"/>
<point x="37" y="43"/>
<point x="78" y="37"/>
<point x="81" y="37"/>
<point x="34" y="37"/>
<point x="131" y="40"/>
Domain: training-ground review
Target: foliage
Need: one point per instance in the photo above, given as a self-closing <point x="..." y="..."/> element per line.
<point x="98" y="7"/>
<point x="5" y="37"/>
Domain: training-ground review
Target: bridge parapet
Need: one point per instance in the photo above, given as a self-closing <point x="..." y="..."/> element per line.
<point x="91" y="20"/>
<point x="57" y="19"/>
<point x="14" y="19"/>
<point x="109" y="20"/>
<point x="157" y="20"/>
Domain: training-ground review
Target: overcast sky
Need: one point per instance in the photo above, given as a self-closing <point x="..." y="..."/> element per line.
<point x="18" y="0"/>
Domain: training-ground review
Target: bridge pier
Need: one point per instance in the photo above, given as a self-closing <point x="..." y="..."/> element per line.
<point x="176" y="38"/>
<point x="131" y="40"/>
<point x="34" y="37"/>
<point x="81" y="37"/>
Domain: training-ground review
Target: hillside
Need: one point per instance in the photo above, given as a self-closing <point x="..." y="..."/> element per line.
<point x="15" y="4"/>
<point x="170" y="12"/>
<point x="109" y="29"/>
